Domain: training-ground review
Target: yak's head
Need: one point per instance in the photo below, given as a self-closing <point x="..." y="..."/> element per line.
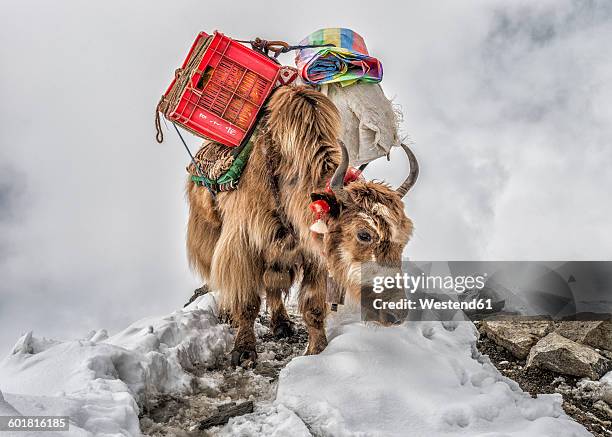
<point x="362" y="222"/>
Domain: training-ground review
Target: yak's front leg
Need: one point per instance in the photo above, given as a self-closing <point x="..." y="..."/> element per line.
<point x="313" y="307"/>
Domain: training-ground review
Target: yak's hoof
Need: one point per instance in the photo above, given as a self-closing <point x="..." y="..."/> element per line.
<point x="283" y="330"/>
<point x="244" y="357"/>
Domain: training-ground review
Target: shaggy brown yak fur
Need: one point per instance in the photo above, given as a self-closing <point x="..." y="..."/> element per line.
<point x="256" y="238"/>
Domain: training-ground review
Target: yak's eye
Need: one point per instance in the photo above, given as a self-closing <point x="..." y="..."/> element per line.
<point x="364" y="236"/>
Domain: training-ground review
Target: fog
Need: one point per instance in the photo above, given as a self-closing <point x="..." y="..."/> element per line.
<point x="507" y="105"/>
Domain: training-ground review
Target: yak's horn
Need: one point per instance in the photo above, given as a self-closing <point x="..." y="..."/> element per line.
<point x="337" y="180"/>
<point x="414" y="172"/>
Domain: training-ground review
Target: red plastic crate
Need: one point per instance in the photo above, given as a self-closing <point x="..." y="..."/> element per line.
<point x="226" y="90"/>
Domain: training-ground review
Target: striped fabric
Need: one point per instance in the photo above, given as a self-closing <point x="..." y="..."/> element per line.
<point x="347" y="62"/>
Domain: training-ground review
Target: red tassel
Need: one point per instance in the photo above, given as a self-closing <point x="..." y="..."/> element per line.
<point x="352" y="174"/>
<point x="319" y="207"/>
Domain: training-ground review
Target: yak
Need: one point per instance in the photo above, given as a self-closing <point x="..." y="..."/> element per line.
<point x="256" y="240"/>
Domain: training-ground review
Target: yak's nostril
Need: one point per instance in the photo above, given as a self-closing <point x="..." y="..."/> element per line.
<point x="390" y="317"/>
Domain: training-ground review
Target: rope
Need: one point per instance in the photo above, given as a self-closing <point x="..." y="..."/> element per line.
<point x="159" y="134"/>
<point x="181" y="77"/>
<point x="277" y="46"/>
<point x="307" y="46"/>
<point x="197" y="167"/>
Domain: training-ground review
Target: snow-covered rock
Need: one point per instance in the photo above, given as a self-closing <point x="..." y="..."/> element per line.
<point x="605" y="388"/>
<point x="98" y="381"/>
<point x="593" y="390"/>
<point x="271" y="421"/>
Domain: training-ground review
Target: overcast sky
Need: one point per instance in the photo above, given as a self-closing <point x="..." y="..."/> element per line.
<point x="508" y="105"/>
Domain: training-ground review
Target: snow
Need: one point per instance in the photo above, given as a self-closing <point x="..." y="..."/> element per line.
<point x="593" y="390"/>
<point x="605" y="386"/>
<point x="418" y="379"/>
<point x="98" y="381"/>
<point x="7" y="409"/>
<point x="271" y="421"/>
<point x="424" y="378"/>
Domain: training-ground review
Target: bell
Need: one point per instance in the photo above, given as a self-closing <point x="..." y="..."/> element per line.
<point x="319" y="227"/>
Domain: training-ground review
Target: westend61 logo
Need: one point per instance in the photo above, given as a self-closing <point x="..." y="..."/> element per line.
<point x="423" y="282"/>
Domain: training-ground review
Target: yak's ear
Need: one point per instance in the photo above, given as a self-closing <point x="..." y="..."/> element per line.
<point x="330" y="198"/>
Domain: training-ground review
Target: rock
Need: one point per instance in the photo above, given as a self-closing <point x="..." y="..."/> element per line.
<point x="517" y="336"/>
<point x="604" y="408"/>
<point x="559" y="354"/>
<point x="197" y="293"/>
<point x="597" y="390"/>
<point x="605" y="393"/>
<point x="225" y="413"/>
<point x="593" y="333"/>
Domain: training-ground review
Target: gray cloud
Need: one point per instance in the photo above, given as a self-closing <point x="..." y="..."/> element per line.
<point x="513" y="129"/>
<point x="11" y="192"/>
<point x="507" y="103"/>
